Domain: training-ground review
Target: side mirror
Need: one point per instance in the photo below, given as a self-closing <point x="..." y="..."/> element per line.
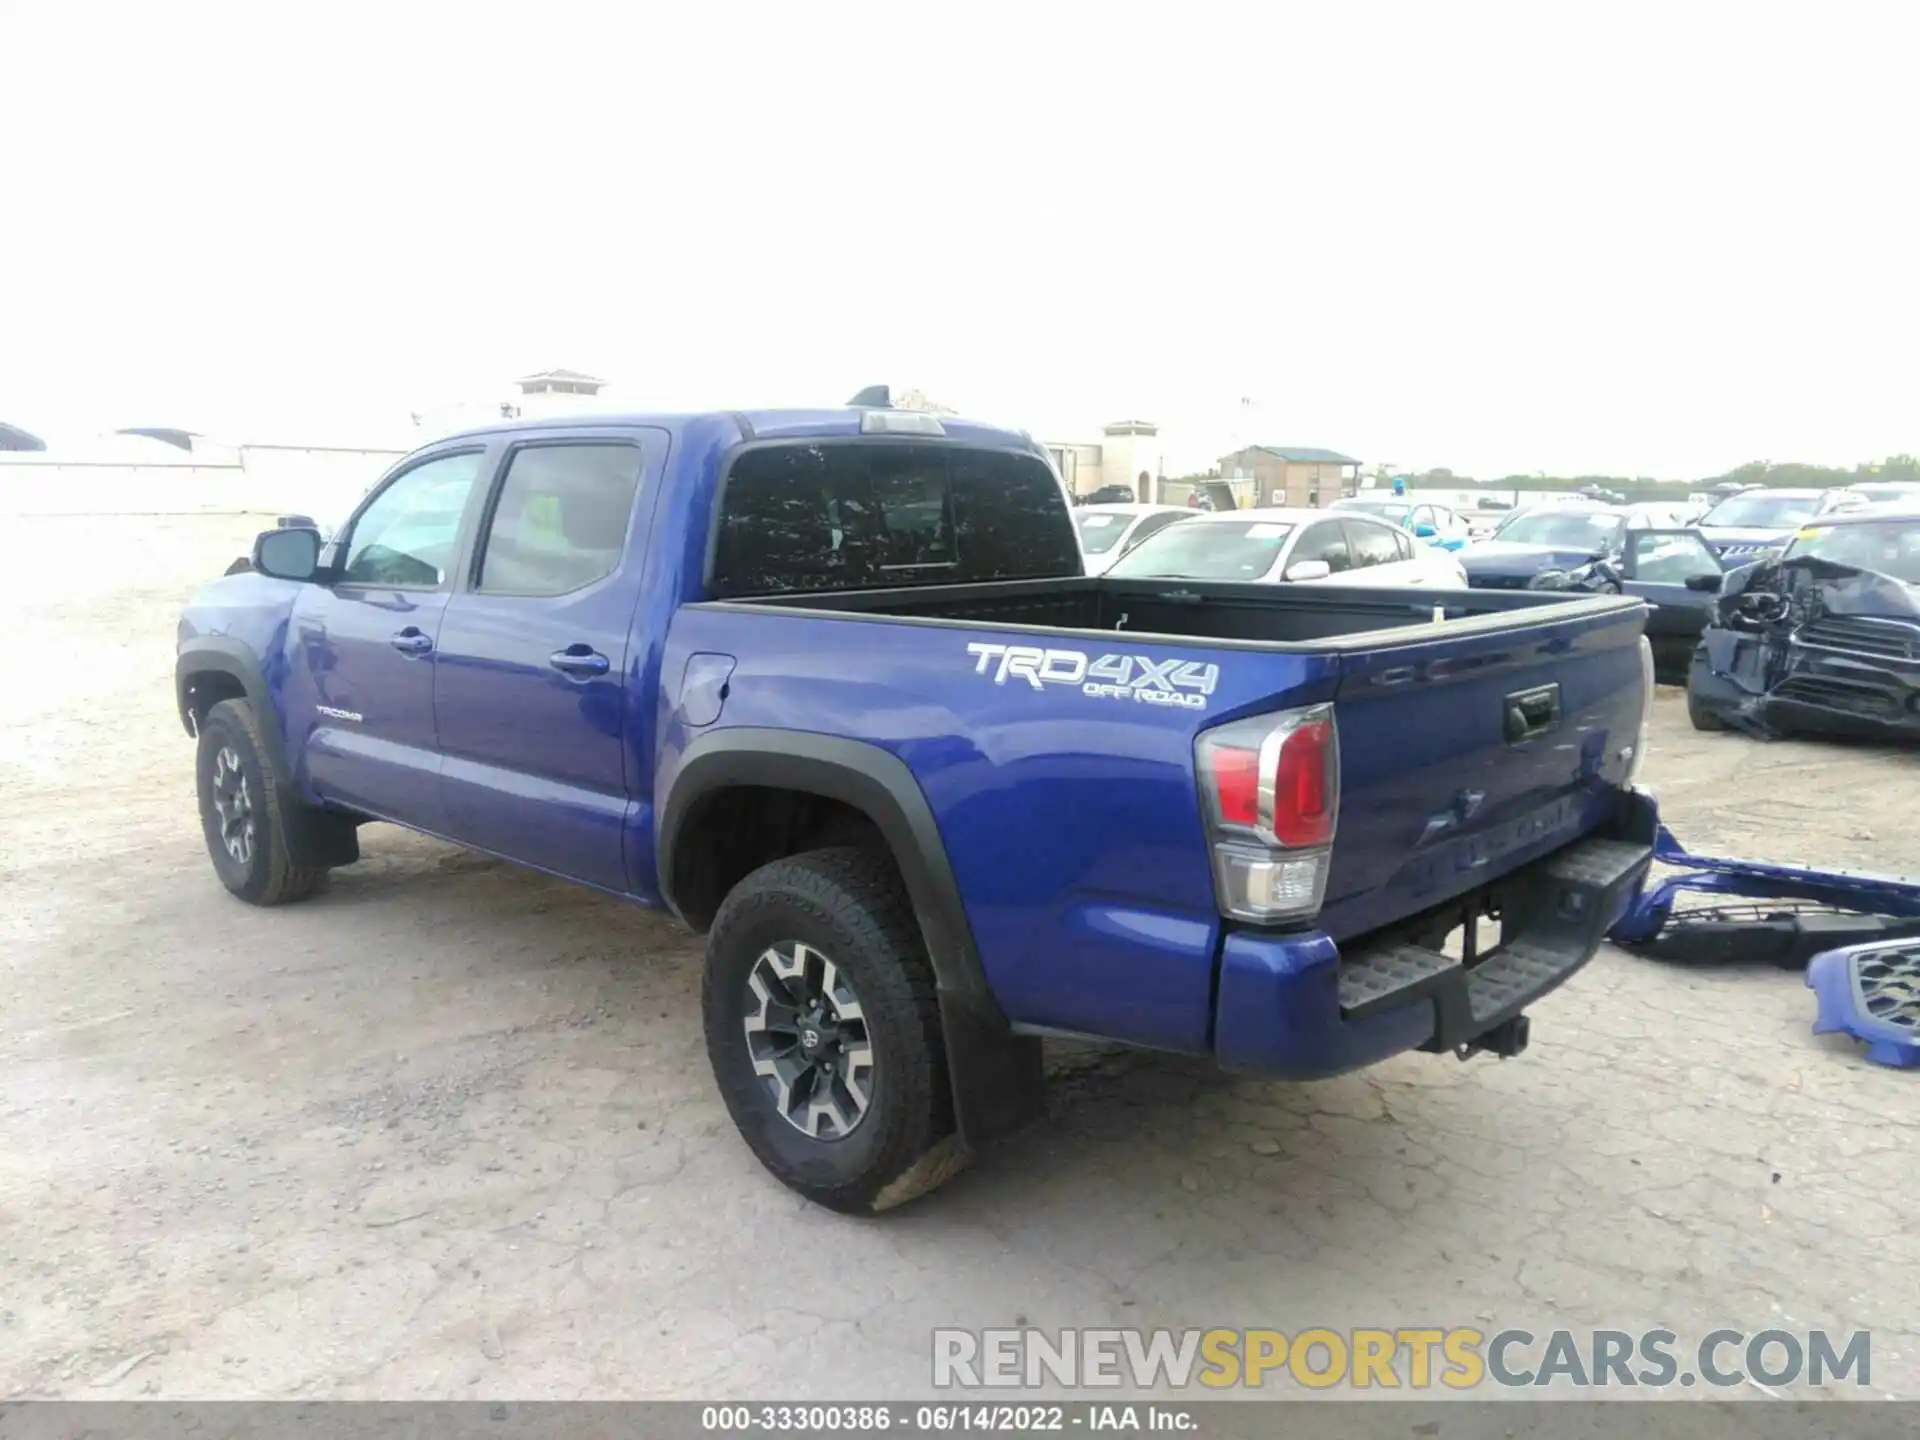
<point x="1309" y="571"/>
<point x="1706" y="584"/>
<point x="1425" y="532"/>
<point x="292" y="554"/>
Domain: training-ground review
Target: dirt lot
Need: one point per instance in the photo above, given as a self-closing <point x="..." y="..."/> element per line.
<point x="449" y="1131"/>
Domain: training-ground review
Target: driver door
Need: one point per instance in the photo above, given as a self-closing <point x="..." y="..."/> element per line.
<point x="359" y="698"/>
<point x="1657" y="565"/>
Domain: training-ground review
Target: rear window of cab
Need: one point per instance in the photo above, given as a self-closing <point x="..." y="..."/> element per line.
<point x="879" y="513"/>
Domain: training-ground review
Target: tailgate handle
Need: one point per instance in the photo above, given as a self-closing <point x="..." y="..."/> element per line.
<point x="1532" y="712"/>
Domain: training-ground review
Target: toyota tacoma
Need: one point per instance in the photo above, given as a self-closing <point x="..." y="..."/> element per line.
<point x="834" y="688"/>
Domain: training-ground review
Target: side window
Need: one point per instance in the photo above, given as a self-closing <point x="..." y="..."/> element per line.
<point x="1422" y="515"/>
<point x="560" y="521"/>
<point x="1373" y="544"/>
<point x="1404" y="544"/>
<point x="1669" y="557"/>
<point x="1326" y="541"/>
<point x="405" y="537"/>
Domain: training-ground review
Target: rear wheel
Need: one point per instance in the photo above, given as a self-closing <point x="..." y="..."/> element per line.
<point x="244" y="813"/>
<point x="824" y="1032"/>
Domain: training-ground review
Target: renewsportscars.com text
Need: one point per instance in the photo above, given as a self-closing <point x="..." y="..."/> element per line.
<point x="1405" y="1358"/>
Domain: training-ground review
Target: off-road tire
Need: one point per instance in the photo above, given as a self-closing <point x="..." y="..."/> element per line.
<point x="268" y="876"/>
<point x="848" y="904"/>
<point x="1698" y="713"/>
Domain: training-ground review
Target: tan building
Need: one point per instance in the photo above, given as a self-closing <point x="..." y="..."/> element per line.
<point x="1129" y="454"/>
<point x="1296" y="475"/>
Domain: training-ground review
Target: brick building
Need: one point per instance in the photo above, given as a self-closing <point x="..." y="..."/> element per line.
<point x="1297" y="475"/>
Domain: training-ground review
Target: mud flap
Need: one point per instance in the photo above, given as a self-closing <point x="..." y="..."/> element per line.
<point x="998" y="1077"/>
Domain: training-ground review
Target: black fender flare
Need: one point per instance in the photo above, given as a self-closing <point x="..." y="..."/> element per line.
<point x="315" y="836"/>
<point x="228" y="657"/>
<point x="996" y="1075"/>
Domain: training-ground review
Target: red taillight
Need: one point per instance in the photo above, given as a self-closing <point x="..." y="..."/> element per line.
<point x="1275" y="775"/>
<point x="1236" y="785"/>
<point x="1302" y="790"/>
<point x="1271" y="789"/>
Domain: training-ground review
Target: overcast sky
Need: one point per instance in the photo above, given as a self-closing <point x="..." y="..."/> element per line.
<point x="1546" y="236"/>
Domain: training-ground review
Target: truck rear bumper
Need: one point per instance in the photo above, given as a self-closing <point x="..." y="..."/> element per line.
<point x="1296" y="1006"/>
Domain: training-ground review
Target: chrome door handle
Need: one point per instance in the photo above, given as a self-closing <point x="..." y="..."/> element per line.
<point x="578" y="660"/>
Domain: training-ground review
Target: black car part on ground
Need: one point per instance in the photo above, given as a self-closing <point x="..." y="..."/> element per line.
<point x="1709" y="909"/>
<point x="1805" y="644"/>
<point x="1786" y="933"/>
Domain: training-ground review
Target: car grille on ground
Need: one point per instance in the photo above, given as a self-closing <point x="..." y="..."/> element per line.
<point x="1890" y="987"/>
<point x="1498" y="582"/>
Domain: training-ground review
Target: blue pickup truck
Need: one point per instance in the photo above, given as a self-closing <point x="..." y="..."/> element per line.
<point x="833" y="687"/>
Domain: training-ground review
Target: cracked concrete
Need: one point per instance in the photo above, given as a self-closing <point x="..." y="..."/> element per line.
<point x="449" y="1131"/>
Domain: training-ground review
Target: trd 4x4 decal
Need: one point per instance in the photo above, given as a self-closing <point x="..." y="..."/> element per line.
<point x="1185" y="683"/>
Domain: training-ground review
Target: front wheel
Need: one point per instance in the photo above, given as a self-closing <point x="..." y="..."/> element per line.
<point x="824" y="1032"/>
<point x="244" y="813"/>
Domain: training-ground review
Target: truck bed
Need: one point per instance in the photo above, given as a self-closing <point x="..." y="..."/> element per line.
<point x="1306" y="617"/>
<point x="1073" y="816"/>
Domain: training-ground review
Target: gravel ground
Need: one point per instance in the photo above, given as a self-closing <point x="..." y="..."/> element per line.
<point x="449" y="1131"/>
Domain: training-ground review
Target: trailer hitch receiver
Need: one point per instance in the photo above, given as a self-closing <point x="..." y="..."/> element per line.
<point x="1507" y="1039"/>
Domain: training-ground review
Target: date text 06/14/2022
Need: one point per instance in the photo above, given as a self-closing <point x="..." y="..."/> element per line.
<point x="943" y="1418"/>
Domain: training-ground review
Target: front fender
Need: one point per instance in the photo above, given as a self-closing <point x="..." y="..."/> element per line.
<point x="222" y="655"/>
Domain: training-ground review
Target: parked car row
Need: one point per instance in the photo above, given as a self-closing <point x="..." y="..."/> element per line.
<point x="1730" y="604"/>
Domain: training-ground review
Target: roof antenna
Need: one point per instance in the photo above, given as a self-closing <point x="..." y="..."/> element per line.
<point x="874" y="397"/>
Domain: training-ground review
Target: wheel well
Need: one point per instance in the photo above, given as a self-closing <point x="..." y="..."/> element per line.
<point x="732" y="832"/>
<point x="205" y="689"/>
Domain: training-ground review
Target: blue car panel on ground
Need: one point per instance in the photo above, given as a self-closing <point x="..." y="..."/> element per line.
<point x="1871" y="992"/>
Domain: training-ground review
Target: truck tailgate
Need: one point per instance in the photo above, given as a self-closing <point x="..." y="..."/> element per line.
<point x="1464" y="757"/>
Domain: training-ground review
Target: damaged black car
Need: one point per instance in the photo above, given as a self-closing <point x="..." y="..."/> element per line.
<point x="1824" y="639"/>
